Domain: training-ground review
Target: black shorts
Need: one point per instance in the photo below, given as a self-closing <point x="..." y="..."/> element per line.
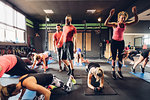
<point x="145" y="53"/>
<point x="20" y="68"/>
<point x="59" y="53"/>
<point x="67" y="51"/>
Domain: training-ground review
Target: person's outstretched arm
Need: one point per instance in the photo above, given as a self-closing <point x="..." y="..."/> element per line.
<point x="107" y="23"/>
<point x="102" y="82"/>
<point x="39" y="88"/>
<point x="89" y="81"/>
<point x="44" y="63"/>
<point x="22" y="93"/>
<point x="34" y="63"/>
<point x="134" y="11"/>
<point x="54" y="44"/>
<point x="75" y="42"/>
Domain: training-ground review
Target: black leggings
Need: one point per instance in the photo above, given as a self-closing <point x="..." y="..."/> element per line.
<point x="20" y="68"/>
<point x="117" y="45"/>
<point x="132" y="54"/>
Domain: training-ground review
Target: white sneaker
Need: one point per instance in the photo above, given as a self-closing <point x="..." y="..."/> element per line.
<point x="132" y="63"/>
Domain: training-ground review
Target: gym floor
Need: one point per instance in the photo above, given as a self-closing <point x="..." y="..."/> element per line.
<point x="130" y="88"/>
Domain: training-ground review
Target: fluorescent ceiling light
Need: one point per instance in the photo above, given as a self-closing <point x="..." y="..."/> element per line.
<point x="91" y="11"/>
<point x="48" y="11"/>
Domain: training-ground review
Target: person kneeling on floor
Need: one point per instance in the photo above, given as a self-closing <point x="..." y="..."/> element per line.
<point x="95" y="79"/>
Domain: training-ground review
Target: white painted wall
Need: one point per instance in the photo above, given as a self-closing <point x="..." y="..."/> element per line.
<point x="130" y="38"/>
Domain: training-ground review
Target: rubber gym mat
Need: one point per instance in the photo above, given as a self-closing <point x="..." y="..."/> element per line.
<point x="78" y="64"/>
<point x="145" y="76"/>
<point x="106" y="91"/>
<point x="117" y="64"/>
<point x="30" y="66"/>
<point x="29" y="95"/>
<point x="6" y="76"/>
<point x="78" y="82"/>
<point x="50" y="61"/>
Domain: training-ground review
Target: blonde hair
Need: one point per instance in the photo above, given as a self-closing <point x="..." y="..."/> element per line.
<point x="124" y="14"/>
<point x="99" y="72"/>
<point x="68" y="16"/>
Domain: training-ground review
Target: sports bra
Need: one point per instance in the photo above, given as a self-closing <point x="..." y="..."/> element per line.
<point x="43" y="79"/>
<point x="21" y="80"/>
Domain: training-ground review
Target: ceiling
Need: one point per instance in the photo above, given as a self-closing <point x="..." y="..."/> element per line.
<point x="76" y="8"/>
<point x="145" y="15"/>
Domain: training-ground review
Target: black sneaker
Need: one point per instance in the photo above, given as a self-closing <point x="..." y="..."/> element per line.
<point x="113" y="75"/>
<point x="142" y="69"/>
<point x="120" y="75"/>
<point x="65" y="69"/>
<point x="132" y="70"/>
<point x="72" y="72"/>
<point x="69" y="70"/>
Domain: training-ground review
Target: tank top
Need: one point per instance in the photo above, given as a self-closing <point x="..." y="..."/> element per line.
<point x="118" y="33"/>
<point x="43" y="79"/>
<point x="7" y="62"/>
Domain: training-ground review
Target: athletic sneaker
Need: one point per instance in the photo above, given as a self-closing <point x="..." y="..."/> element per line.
<point x="132" y="70"/>
<point x="65" y="69"/>
<point x="73" y="81"/>
<point x="120" y="75"/>
<point x="132" y="63"/>
<point x="142" y="69"/>
<point x="113" y="75"/>
<point x="60" y="70"/>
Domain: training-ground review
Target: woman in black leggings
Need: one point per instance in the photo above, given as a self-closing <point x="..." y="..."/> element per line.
<point x="143" y="57"/>
<point x="132" y="54"/>
<point x="117" y="39"/>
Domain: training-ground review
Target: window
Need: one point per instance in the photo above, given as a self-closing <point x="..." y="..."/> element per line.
<point x="9" y="15"/>
<point x="20" y="36"/>
<point x="2" y="33"/>
<point x="138" y="42"/>
<point x="10" y="36"/>
<point x="21" y="21"/>
<point x="2" y="12"/>
<point x="12" y="25"/>
<point x="146" y="40"/>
